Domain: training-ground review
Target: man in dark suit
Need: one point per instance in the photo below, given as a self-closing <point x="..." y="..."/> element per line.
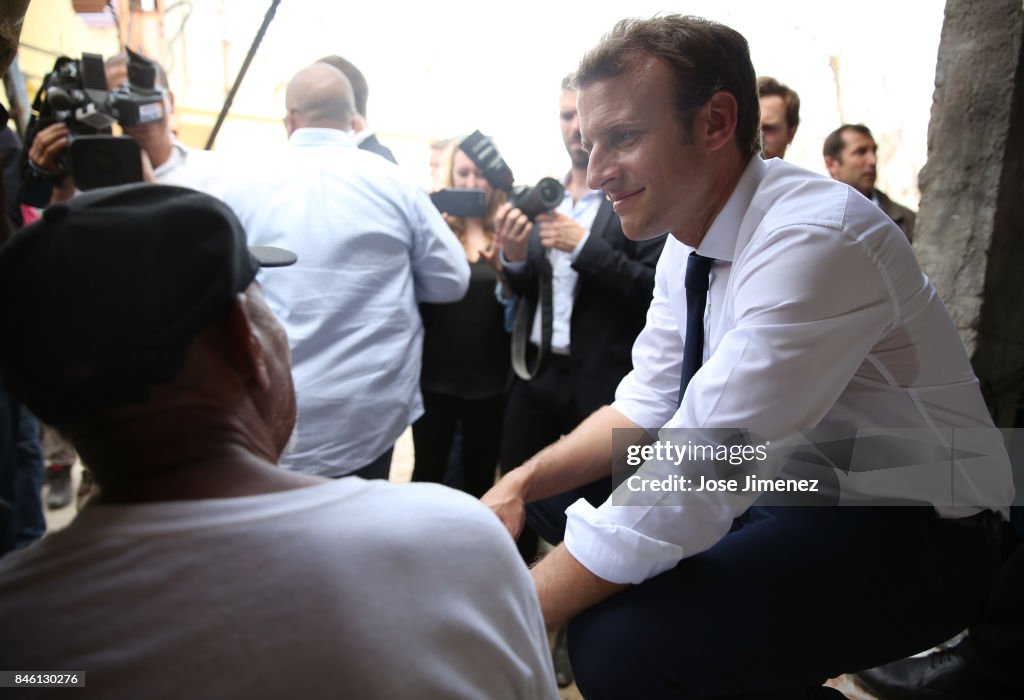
<point x="850" y="157"/>
<point x="601" y="286"/>
<point x="367" y="140"/>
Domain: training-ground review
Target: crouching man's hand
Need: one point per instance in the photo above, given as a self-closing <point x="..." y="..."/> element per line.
<point x="507" y="501"/>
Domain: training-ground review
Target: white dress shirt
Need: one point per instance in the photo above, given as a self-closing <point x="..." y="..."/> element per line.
<point x="818" y="316"/>
<point x="370" y="246"/>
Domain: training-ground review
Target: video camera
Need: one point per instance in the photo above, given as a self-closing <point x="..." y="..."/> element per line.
<point x="75" y="92"/>
<point x="544" y="196"/>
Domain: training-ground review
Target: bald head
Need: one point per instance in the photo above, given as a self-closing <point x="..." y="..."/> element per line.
<point x="319" y="96"/>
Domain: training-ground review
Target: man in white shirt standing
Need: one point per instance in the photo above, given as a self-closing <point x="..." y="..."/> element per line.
<point x="370" y="246"/>
<point x="815" y="316"/>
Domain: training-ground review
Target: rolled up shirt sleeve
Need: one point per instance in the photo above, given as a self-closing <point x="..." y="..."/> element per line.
<point x="804" y="307"/>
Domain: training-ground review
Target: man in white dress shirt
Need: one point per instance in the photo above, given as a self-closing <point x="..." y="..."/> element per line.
<point x="370" y="246"/>
<point x="815" y="316"/>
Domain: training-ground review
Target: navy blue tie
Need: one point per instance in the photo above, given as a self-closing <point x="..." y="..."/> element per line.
<point x="698" y="269"/>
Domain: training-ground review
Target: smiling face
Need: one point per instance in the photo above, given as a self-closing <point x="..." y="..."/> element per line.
<point x="656" y="175"/>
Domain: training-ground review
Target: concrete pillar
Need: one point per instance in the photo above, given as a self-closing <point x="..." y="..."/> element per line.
<point x="970" y="227"/>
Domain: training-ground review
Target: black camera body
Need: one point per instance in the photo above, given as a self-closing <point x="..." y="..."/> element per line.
<point x="75" y="92"/>
<point x="544" y="196"/>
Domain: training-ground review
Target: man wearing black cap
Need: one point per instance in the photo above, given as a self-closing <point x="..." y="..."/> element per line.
<point x="185" y="575"/>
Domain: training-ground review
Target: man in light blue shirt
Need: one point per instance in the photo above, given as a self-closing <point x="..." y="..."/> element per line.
<point x="371" y="246"/>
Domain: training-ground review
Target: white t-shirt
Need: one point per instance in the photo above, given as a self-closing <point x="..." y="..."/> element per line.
<point x="353" y="588"/>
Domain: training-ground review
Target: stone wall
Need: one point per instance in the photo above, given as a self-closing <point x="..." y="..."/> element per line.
<point x="970" y="228"/>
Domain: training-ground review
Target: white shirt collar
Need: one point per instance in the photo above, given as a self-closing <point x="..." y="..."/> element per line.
<point x="315" y="136"/>
<point x="177" y="158"/>
<point x="720" y="240"/>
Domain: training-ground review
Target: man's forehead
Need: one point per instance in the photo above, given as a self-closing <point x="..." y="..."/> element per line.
<point x="855" y="139"/>
<point x="644" y="80"/>
<point x="772" y="106"/>
<point x="567" y="100"/>
<point x="640" y="74"/>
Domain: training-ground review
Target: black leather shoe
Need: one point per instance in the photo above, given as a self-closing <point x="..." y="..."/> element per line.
<point x="943" y="675"/>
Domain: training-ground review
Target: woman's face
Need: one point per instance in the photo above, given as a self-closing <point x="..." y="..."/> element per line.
<point x="466" y="174"/>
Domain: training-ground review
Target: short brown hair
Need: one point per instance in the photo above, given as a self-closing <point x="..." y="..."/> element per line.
<point x="768" y="87"/>
<point x="835" y="143"/>
<point x="360" y="88"/>
<point x="704" y="56"/>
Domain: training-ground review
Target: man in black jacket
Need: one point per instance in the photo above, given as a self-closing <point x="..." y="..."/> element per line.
<point x="601" y="284"/>
<point x="367" y="139"/>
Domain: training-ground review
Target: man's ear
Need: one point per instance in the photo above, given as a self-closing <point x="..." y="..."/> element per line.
<point x="243" y="347"/>
<point x="832" y="165"/>
<point x="358" y="122"/>
<point x="290" y="122"/>
<point x="720" y="125"/>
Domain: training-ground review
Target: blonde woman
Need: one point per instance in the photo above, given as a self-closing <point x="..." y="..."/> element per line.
<point x="465" y="351"/>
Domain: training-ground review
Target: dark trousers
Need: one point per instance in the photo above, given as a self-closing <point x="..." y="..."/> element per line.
<point x="434" y="432"/>
<point x="538" y="413"/>
<point x="21" y="475"/>
<point x="995" y="645"/>
<point x="790" y="597"/>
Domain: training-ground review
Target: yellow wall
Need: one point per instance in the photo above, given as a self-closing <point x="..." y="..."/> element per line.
<point x="52" y="28"/>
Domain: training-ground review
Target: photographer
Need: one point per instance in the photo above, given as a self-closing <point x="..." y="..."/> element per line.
<point x="601" y="285"/>
<point x="164" y="159"/>
<point x="465" y="348"/>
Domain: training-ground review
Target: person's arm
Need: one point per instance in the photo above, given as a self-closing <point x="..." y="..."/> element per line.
<point x="582" y="456"/>
<point x="513" y="230"/>
<point x="629" y="277"/>
<point x="626" y="272"/>
<point x="439" y="266"/>
<point x="43" y="152"/>
<point x="565" y="587"/>
<point x="808" y="304"/>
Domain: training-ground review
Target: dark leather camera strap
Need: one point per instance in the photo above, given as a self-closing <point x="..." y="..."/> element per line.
<point x="524" y="324"/>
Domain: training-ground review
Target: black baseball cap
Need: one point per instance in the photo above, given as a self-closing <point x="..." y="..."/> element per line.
<point x="100" y="298"/>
